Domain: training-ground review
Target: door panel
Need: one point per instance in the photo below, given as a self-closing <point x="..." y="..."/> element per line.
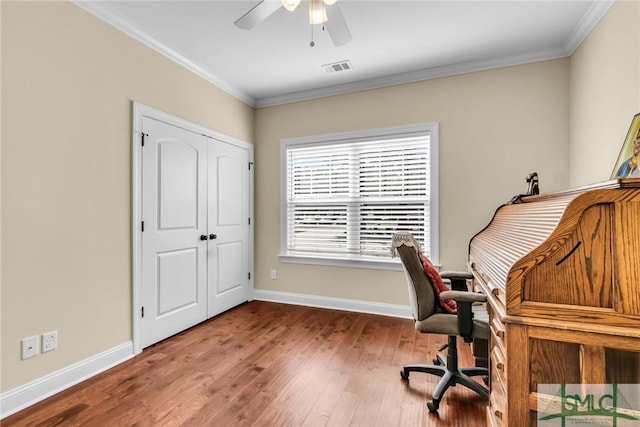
<point x="178" y="174"/>
<point x="230" y="181"/>
<point x="177" y="281"/>
<point x="228" y="220"/>
<point x="174" y="211"/>
<point x="231" y="274"/>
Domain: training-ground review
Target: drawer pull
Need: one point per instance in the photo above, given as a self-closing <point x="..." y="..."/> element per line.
<point x="498" y="328"/>
<point x="495" y="291"/>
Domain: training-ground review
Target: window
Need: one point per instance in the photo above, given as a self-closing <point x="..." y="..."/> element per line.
<point x="343" y="196"/>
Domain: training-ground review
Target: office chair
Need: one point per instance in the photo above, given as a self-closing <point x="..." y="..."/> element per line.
<point x="431" y="317"/>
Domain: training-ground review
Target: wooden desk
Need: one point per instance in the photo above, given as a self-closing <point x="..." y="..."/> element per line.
<point x="562" y="276"/>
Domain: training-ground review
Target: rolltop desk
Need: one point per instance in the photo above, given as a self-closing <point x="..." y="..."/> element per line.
<point x="562" y="275"/>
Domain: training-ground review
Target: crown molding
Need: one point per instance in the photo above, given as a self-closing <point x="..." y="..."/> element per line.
<point x="103" y="14"/>
<point x="597" y="10"/>
<point x="595" y="13"/>
<point x="411" y="77"/>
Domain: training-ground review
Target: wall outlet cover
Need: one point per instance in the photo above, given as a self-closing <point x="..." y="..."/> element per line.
<point x="49" y="341"/>
<point x="30" y="347"/>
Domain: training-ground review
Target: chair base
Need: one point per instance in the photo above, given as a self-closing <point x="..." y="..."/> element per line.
<point x="450" y="375"/>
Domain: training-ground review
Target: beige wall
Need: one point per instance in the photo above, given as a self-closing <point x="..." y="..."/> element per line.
<point x="605" y="93"/>
<point x="495" y="127"/>
<point x="68" y="81"/>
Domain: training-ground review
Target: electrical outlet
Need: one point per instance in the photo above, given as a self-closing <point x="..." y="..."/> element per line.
<point x="274" y="274"/>
<point x="30" y="347"/>
<point x="49" y="341"/>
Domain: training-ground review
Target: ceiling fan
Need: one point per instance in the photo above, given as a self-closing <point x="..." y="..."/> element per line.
<point x="325" y="12"/>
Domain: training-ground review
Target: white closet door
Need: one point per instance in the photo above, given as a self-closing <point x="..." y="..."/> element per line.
<point x="174" y="211"/>
<point x="228" y="227"/>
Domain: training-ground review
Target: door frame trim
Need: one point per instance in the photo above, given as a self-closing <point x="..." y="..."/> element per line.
<point x="138" y="112"/>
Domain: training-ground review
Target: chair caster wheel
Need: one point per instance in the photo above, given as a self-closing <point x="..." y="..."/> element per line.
<point x="433" y="407"/>
<point x="404" y="375"/>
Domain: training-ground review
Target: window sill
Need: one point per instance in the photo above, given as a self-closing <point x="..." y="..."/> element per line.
<point x="316" y="259"/>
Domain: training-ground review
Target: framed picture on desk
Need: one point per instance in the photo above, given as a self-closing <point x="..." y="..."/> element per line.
<point x="627" y="164"/>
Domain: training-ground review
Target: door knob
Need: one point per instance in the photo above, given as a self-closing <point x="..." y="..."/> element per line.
<point x="213" y="236"/>
<point x="203" y="237"/>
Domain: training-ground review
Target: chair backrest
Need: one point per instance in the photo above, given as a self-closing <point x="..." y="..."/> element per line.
<point x="421" y="293"/>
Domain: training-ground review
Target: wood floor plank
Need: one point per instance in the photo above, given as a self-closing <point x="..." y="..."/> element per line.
<point x="265" y="364"/>
<point x="343" y="413"/>
<point x="315" y="420"/>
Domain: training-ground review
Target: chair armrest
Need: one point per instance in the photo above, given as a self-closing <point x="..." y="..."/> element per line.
<point x="463" y="296"/>
<point x="456" y="275"/>
<point x="458" y="279"/>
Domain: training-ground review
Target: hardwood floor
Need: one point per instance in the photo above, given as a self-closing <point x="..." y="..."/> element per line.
<point x="268" y="364"/>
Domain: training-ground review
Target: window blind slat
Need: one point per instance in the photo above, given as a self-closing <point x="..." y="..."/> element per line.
<point x="349" y="198"/>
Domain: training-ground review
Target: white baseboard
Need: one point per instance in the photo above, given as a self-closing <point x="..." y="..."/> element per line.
<point x="37" y="390"/>
<point x="334" y="303"/>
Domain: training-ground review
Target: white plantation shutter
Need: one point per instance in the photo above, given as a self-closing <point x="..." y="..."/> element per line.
<point x="346" y="198"/>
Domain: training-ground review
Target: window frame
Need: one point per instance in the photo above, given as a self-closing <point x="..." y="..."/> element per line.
<point x="359" y="136"/>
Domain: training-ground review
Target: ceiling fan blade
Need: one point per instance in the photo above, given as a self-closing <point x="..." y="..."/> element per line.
<point x="257" y="14"/>
<point x="336" y="26"/>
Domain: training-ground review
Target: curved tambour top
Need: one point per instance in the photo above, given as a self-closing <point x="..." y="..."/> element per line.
<point x="518" y="229"/>
<point x="514" y="231"/>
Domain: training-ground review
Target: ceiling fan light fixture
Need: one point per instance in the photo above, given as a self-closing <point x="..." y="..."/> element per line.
<point x="317" y="12"/>
<point x="290" y="5"/>
<point x="330" y="2"/>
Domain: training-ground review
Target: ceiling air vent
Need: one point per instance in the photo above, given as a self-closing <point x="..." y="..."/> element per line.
<point x="337" y="66"/>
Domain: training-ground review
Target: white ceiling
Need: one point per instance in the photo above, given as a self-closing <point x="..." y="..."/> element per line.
<point x="393" y="41"/>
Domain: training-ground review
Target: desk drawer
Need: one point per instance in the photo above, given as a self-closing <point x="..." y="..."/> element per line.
<point x="492" y="420"/>
<point x="498" y="369"/>
<point x="497" y="406"/>
<point x="494" y="292"/>
<point x="498" y="333"/>
<point x="498" y="386"/>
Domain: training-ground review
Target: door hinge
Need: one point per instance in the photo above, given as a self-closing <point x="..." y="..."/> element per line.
<point x="249" y="275"/>
<point x="142" y="311"/>
<point x="250" y="164"/>
<point x="143" y="135"/>
<point x="142" y="226"/>
<point x="249" y="221"/>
